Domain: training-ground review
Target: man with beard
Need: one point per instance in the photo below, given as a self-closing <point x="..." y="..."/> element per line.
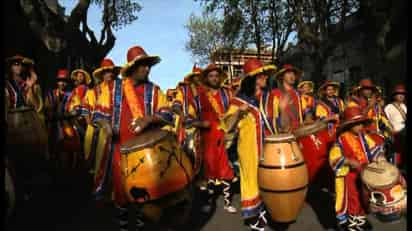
<point x="130" y="105"/>
<point x="285" y="111"/>
<point x="214" y="102"/>
<point x="329" y="106"/>
<point x="396" y="112"/>
<point x="379" y="128"/>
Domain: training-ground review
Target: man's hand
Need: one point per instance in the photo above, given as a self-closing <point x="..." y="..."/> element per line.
<point x="201" y="124"/>
<point x="32" y="79"/>
<point x="138" y="125"/>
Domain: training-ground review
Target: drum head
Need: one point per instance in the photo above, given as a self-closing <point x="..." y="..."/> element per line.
<point x="143" y="140"/>
<point x="280" y="138"/>
<point x="310" y="129"/>
<point x="380" y="174"/>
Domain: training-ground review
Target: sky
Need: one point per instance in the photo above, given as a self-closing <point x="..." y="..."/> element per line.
<point x="159" y="30"/>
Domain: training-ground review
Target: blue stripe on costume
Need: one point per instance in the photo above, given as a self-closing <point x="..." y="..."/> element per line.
<point x="117" y="103"/>
<point x="252" y="211"/>
<point x="225" y="98"/>
<point x="148" y="98"/>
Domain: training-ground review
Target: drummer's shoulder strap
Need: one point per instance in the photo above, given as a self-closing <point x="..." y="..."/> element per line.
<point x="401" y="111"/>
<point x="117" y="103"/>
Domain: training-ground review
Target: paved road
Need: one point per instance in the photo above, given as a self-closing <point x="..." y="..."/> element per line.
<point x="68" y="207"/>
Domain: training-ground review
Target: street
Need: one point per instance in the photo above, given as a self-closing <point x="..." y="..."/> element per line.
<point x="69" y="207"/>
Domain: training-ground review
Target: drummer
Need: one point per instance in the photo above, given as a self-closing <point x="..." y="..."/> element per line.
<point x="136" y="103"/>
<point x="214" y="102"/>
<point x="244" y="117"/>
<point x="285" y="101"/>
<point x="186" y="105"/>
<point x="305" y="88"/>
<point x="380" y="128"/>
<point x="329" y="106"/>
<point x="353" y="149"/>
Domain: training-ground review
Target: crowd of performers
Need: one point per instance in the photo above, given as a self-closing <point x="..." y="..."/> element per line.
<point x="221" y="125"/>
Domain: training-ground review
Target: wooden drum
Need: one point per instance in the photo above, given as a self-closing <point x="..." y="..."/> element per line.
<point x="282" y="177"/>
<point x="313" y="142"/>
<point x="153" y="166"/>
<point x="384" y="190"/>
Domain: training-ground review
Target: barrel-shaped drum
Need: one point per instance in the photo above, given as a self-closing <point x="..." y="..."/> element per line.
<point x="153" y="166"/>
<point x="313" y="142"/>
<point x="26" y="135"/>
<point x="384" y="190"/>
<point x="282" y="177"/>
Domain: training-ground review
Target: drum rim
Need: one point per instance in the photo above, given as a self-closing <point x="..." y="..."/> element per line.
<point x="384" y="186"/>
<point x="126" y="150"/>
<point x="282" y="137"/>
<point x="310" y="129"/>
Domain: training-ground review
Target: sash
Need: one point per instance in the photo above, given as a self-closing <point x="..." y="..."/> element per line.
<point x="401" y="111"/>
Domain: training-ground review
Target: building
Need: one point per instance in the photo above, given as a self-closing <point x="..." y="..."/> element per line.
<point x="232" y="61"/>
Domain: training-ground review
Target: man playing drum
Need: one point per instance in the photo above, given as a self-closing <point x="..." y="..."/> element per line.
<point x="214" y="102"/>
<point x="353" y="150"/>
<point x="135" y="104"/>
<point x="329" y="106"/>
<point x="380" y="128"/>
<point x="244" y="116"/>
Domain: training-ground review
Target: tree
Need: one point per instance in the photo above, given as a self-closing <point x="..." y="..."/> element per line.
<point x="205" y="36"/>
<point x="319" y="25"/>
<point x="67" y="41"/>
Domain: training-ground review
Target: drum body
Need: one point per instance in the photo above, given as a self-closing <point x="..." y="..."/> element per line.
<point x="283" y="177"/>
<point x="153" y="166"/>
<point x="26" y="134"/>
<point x="71" y="138"/>
<point x="313" y="142"/>
<point x="192" y="147"/>
<point x="384" y="190"/>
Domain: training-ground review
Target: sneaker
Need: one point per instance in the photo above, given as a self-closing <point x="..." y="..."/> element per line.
<point x="258" y="226"/>
<point x="363" y="223"/>
<point x="230" y="208"/>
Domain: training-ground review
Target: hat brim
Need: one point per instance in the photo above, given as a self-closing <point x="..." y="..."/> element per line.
<point x="97" y="74"/>
<point x="63" y="80"/>
<point x="22" y="59"/>
<point x="87" y="75"/>
<point x="151" y="60"/>
<point x="348" y="124"/>
<point x="191" y="75"/>
<point x="282" y="71"/>
<point x="306" y="82"/>
<point x="264" y="69"/>
<point x="399" y="93"/>
<point x="322" y="88"/>
<point x="375" y="88"/>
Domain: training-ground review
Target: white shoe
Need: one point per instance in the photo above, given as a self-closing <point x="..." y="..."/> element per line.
<point x="230" y="209"/>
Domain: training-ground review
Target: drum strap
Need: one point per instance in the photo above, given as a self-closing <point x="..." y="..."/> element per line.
<point x="401" y="111"/>
<point x="263" y="100"/>
<point x="117" y="101"/>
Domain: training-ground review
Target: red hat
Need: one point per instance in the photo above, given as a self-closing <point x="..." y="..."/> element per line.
<point x="254" y="66"/>
<point x="136" y="55"/>
<point x="62" y="75"/>
<point x="195" y="71"/>
<point x="352" y="115"/>
<point x="106" y="65"/>
<point x="399" y="89"/>
<point x="213" y="67"/>
<point x="367" y="83"/>
<point x="286" y="68"/>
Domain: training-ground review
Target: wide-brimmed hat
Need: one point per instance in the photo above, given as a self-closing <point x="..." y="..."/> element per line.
<point x="135" y="56"/>
<point x="62" y="75"/>
<point x="327" y="83"/>
<point x="351" y="116"/>
<point x="213" y="67"/>
<point x="286" y="68"/>
<point x="195" y="71"/>
<point x="86" y="74"/>
<point x="368" y="84"/>
<point x="19" y="58"/>
<point x="106" y="65"/>
<point x="254" y="66"/>
<point x="399" y="89"/>
<point x="311" y="84"/>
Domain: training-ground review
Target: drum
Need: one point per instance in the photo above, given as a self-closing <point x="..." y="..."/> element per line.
<point x="26" y="134"/>
<point x="282" y="177"/>
<point x="313" y="142"/>
<point x="153" y="166"/>
<point x="71" y="138"/>
<point x="192" y="147"/>
<point x="384" y="190"/>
